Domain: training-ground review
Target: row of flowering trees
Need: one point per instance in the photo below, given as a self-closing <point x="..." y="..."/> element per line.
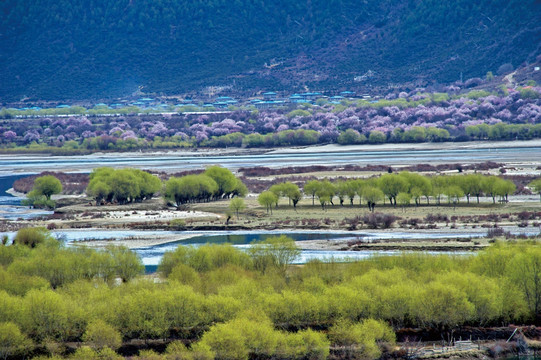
<point x="417" y="118"/>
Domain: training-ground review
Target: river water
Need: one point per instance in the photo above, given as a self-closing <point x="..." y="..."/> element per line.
<point x="12" y="167"/>
<point x="151" y="255"/>
<point x="173" y="162"/>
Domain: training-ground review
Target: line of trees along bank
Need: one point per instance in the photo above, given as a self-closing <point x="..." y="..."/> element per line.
<point x="228" y="303"/>
<point x="400" y="189"/>
<point x="214" y="184"/>
<point x="123" y="186"/>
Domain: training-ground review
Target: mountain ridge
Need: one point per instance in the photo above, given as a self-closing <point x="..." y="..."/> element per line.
<point x="97" y="49"/>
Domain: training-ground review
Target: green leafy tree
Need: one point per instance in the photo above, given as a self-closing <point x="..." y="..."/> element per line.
<point x="278" y="252"/>
<point x="536" y="186"/>
<point x="440" y="305"/>
<point x="12" y="341"/>
<point x="489" y="186"/>
<point x="40" y="196"/>
<point x="439" y="184"/>
<point x="471" y="184"/>
<point x="359" y="185"/>
<point x="190" y="188"/>
<point x="226" y="341"/>
<point x="372" y="196"/>
<point x="226" y="181"/>
<point x="391" y="185"/>
<point x="99" y="190"/>
<point x="127" y="263"/>
<point x="294" y="195"/>
<point x="403" y="199"/>
<point x="503" y="188"/>
<point x="100" y="335"/>
<point x="311" y="188"/>
<point x="47" y="185"/>
<point x="325" y="193"/>
<point x="453" y="193"/>
<point x="236" y="205"/>
<point x="287" y="189"/>
<point x="32" y="237"/>
<point x="376" y="137"/>
<point x="148" y="184"/>
<point x="123" y="186"/>
<point x="267" y="199"/>
<point x="351" y="136"/>
<point x="45" y="315"/>
<point x="307" y="344"/>
<point x="361" y="340"/>
<point x="525" y="271"/>
<point x="417" y="185"/>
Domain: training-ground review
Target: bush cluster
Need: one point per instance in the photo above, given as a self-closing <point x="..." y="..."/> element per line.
<point x="215" y="183"/>
<point x="230" y="303"/>
<point x="122" y="186"/>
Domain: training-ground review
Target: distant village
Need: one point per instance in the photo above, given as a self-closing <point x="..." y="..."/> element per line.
<point x="267" y="100"/>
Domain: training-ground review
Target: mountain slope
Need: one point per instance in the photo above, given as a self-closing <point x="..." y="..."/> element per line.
<point x="97" y="48"/>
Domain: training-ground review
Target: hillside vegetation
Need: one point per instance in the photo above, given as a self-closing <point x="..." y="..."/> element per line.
<point x="95" y="49"/>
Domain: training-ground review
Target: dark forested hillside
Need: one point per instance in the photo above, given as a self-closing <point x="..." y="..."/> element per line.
<point x="96" y="48"/>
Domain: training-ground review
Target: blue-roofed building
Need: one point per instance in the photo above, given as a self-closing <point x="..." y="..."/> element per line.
<point x="63" y="106"/>
<point x="311" y="95"/>
<point x="347" y="93"/>
<point x="298" y="99"/>
<point x="336" y="99"/>
<point x="269" y="104"/>
<point x="271" y="95"/>
<point x="221" y="104"/>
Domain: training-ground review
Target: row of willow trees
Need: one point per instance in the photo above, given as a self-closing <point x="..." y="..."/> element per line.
<point x="233" y="304"/>
<point x="123" y="186"/>
<point x="400" y="189"/>
<point x="405" y="187"/>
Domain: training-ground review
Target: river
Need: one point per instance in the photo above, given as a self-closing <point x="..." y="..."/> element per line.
<point x="151" y="255"/>
<point x="234" y="159"/>
<point x="14" y="166"/>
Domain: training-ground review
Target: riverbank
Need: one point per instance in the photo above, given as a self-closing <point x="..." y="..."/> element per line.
<point x="511" y="152"/>
<point x="135" y="242"/>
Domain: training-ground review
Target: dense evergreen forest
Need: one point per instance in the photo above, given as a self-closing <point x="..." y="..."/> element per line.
<point x="94" y="49"/>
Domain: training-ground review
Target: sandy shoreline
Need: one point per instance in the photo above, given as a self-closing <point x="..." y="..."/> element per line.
<point x="135" y="242"/>
<point x="415" y="146"/>
<point x="390" y="238"/>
